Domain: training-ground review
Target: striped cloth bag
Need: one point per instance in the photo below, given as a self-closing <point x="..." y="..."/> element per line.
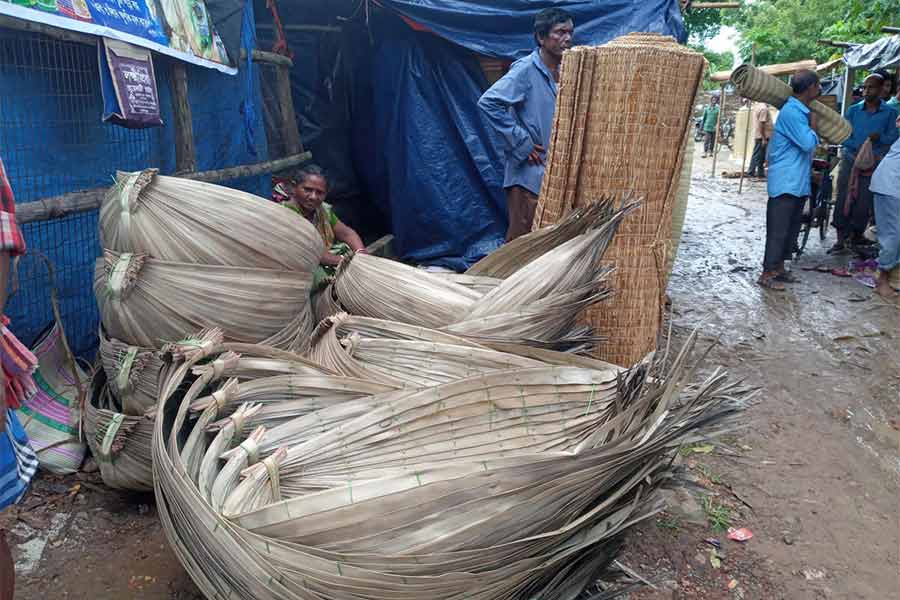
<point x="51" y="416"/>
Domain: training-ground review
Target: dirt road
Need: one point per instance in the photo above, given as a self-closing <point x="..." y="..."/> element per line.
<point x="815" y="474"/>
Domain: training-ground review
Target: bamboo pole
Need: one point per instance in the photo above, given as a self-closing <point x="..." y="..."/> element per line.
<point x="848" y="90"/>
<point x="86" y="200"/>
<point x="747" y="130"/>
<point x="289" y="129"/>
<point x="270" y="58"/>
<point x="718" y="126"/>
<point x="185" y="153"/>
<point x="887" y="29"/>
<point x="703" y="5"/>
<point x="776" y="70"/>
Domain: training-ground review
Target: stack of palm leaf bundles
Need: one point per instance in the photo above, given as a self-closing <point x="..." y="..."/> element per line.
<point x="622" y="113"/>
<point x="180" y="256"/>
<point x="505" y="484"/>
<point x="536" y="304"/>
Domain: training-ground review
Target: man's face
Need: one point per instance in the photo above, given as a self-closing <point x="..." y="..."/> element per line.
<point x="559" y="39"/>
<point x="872" y="89"/>
<point x="311" y="192"/>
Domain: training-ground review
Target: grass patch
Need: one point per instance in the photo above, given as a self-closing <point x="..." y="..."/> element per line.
<point x="709" y="474"/>
<point x="718" y="515"/>
<point x="669" y="523"/>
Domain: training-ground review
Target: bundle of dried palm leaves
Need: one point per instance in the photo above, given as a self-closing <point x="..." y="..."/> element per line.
<point x="184" y="221"/>
<point x="132" y="374"/>
<point x="148" y="302"/>
<point x="120" y="441"/>
<point x="537" y="304"/>
<point x="514" y="483"/>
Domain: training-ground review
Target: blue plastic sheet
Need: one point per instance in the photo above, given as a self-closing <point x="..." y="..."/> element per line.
<point x="502" y="28"/>
<point x="443" y="174"/>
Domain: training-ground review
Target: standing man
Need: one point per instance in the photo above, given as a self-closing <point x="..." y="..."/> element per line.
<point x="790" y="163"/>
<point x="762" y="131"/>
<point x="871" y="119"/>
<point x="710" y="122"/>
<point x="886" y="188"/>
<point x="520" y="108"/>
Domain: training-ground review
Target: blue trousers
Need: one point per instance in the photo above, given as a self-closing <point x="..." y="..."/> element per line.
<point x="887" y="221"/>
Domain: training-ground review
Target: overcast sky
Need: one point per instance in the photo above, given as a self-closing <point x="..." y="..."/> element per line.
<point x="725" y="41"/>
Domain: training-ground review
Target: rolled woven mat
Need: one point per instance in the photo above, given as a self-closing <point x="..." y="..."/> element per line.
<point x="681" y="201"/>
<point x="121" y="443"/>
<point x="146" y="302"/>
<point x="762" y="87"/>
<point x="623" y="110"/>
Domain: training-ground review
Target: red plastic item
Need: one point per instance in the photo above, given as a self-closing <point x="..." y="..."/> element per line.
<point x="739" y="535"/>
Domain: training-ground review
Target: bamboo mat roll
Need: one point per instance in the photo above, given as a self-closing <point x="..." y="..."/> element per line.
<point x="623" y="110"/>
<point x="760" y="86"/>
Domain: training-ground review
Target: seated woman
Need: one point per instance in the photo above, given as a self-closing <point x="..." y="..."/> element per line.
<point x="308" y="200"/>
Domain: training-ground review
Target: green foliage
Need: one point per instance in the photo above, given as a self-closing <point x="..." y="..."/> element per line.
<point x="669" y="523"/>
<point x="702" y="25"/>
<point x="787" y="30"/>
<point x="720" y="516"/>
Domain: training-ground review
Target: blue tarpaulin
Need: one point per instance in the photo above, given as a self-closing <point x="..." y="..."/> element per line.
<point x="502" y="28"/>
<point x="391" y="113"/>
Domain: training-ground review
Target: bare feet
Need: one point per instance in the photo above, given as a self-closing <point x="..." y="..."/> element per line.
<point x="884" y="289"/>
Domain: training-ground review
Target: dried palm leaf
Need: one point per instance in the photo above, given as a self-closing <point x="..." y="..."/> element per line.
<point x="532" y="520"/>
<point x="325" y="304"/>
<point x="133" y="374"/>
<point x="146" y="302"/>
<point x="120" y="442"/>
<point x="184" y="221"/>
<point x="400" y="361"/>
<point x="477" y="283"/>
<point x="370" y="286"/>
<point x="514" y="255"/>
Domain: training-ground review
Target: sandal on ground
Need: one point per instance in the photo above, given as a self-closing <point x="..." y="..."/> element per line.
<point x="787" y="277"/>
<point x="770" y="284"/>
<point x="841" y="272"/>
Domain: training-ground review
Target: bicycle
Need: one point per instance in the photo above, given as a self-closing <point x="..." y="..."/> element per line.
<point x="819" y="205"/>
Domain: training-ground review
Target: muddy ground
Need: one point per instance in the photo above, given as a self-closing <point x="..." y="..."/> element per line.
<point x="814" y="474"/>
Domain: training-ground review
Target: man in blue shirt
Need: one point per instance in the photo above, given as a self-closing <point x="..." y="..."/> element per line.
<point x="871" y="119"/>
<point x="520" y="108"/>
<point x="790" y="164"/>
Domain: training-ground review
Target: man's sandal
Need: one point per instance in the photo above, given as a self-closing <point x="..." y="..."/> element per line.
<point x="770" y="284"/>
<point x="787" y="277"/>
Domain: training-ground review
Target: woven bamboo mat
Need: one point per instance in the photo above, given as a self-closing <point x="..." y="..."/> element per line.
<point x="622" y="112"/>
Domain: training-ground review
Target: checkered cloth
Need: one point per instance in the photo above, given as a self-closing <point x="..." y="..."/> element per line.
<point x="10" y="237"/>
<point x="17" y="361"/>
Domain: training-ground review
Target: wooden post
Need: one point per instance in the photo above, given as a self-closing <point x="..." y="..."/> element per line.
<point x="290" y="131"/>
<point x="848" y="91"/>
<point x="718" y="125"/>
<point x="747" y="130"/>
<point x="185" y="155"/>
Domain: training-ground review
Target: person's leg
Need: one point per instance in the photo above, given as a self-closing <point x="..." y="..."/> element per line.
<point x="776" y="232"/>
<point x="707" y="146"/>
<point x="755" y="158"/>
<point x="761" y="166"/>
<point x="7" y="570"/>
<point x="887" y="214"/>
<point x="861" y="211"/>
<point x="842" y="223"/>
<point x="794" y="213"/>
<point x="521" y="205"/>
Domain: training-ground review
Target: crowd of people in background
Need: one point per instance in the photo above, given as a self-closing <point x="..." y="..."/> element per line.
<point x="868" y="182"/>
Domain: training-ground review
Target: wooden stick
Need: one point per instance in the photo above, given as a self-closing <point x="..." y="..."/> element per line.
<point x="887" y="29"/>
<point x="271" y="166"/>
<point x="776" y="70"/>
<point x="185" y="154"/>
<point x="270" y="58"/>
<point x="87" y="200"/>
<point x="834" y="43"/>
<point x="747" y="130"/>
<point x="702" y="5"/>
<point x="289" y="129"/>
<point x="718" y="129"/>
